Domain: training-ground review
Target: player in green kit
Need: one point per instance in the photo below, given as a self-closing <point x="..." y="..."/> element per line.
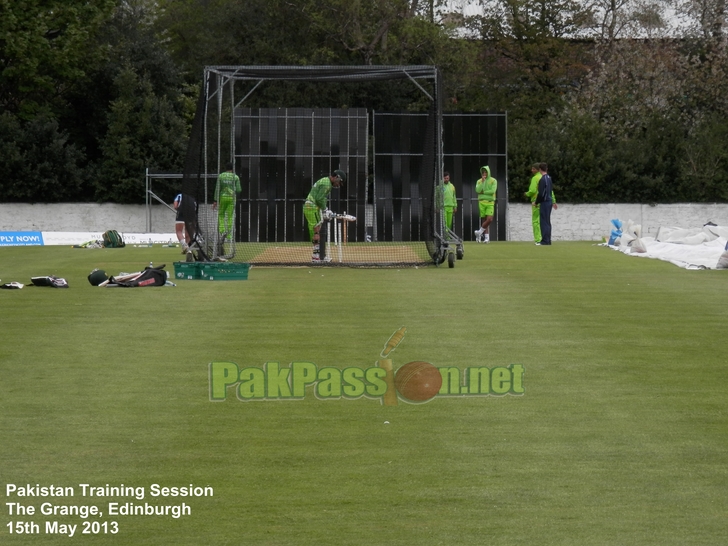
<point x="532" y="193"/>
<point x="485" y="188"/>
<point x="228" y="185"/>
<point x="450" y="201"/>
<point x="316" y="202"/>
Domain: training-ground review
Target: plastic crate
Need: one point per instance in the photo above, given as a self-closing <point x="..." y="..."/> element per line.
<point x="187" y="270"/>
<point x="225" y="271"/>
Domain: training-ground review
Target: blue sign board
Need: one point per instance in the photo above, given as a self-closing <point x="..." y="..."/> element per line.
<point x="21" y="238"/>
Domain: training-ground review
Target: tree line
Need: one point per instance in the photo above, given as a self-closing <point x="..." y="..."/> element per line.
<point x="625" y="103"/>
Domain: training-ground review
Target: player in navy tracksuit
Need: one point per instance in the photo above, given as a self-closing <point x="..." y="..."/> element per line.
<point x="545" y="189"/>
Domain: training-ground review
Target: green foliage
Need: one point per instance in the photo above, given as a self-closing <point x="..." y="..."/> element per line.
<point x="528" y="142"/>
<point x="38" y="162"/>
<point x="143" y="130"/>
<point x="45" y="47"/>
<point x="89" y="93"/>
<point x="702" y="168"/>
<point x="141" y="107"/>
<point x="583" y="158"/>
<point x="645" y="165"/>
<point x="527" y="65"/>
<point x="98" y="91"/>
<point x="223" y="32"/>
<point x="643" y="100"/>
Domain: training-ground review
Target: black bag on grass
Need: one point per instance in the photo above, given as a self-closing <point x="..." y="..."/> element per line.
<point x="50" y="280"/>
<point x="151" y="276"/>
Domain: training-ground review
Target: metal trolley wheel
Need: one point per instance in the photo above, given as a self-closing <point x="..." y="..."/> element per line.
<point x="443" y="251"/>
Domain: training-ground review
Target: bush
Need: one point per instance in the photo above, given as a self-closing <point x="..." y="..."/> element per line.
<point x="38" y="163"/>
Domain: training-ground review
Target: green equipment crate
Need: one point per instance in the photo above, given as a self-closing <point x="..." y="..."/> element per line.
<point x="187" y="270"/>
<point x="223" y="271"/>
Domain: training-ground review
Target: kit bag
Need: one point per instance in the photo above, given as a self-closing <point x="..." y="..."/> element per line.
<point x="149" y="277"/>
<point x="113" y="239"/>
<point x="50" y="280"/>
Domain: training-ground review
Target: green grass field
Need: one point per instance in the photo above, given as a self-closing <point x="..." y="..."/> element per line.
<point x="621" y="436"/>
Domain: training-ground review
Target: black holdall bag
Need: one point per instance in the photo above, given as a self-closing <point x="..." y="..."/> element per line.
<point x="151" y="276"/>
<point x="50" y="280"/>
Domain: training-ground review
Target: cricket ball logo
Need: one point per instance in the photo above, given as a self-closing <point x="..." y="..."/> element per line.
<point x="415" y="381"/>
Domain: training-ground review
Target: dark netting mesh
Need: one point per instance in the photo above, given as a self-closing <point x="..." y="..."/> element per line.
<point x="433" y="219"/>
<point x="380" y="218"/>
<point x="193" y="172"/>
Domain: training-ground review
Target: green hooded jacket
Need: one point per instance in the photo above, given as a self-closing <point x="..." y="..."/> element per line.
<point x="486" y="188"/>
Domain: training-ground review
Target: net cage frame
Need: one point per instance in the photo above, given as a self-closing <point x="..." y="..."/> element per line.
<point x="202" y="166"/>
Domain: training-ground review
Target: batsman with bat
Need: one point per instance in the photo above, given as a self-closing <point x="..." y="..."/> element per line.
<point x="316" y="202"/>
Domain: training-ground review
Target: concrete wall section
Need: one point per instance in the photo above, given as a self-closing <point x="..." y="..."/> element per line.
<point x="85" y="217"/>
<point x="592" y="222"/>
<point x="570" y="222"/>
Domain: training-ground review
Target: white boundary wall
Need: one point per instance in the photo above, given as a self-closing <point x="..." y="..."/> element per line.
<point x="84" y="217"/>
<point x="570" y="222"/>
<point x="592" y="222"/>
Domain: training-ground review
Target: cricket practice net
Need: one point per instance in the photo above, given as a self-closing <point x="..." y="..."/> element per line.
<point x="280" y="153"/>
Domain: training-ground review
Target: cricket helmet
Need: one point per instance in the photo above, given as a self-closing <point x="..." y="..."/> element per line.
<point x="340" y="174"/>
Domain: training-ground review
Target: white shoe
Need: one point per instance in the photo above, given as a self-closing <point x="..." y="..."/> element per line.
<point x="478" y="235"/>
<point x="486" y="238"/>
<point x="327" y="259"/>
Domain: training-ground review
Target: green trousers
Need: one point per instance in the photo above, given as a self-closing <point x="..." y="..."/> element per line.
<point x="448" y="217"/>
<point x="225" y="214"/>
<point x="313" y="217"/>
<point x="536" y="222"/>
